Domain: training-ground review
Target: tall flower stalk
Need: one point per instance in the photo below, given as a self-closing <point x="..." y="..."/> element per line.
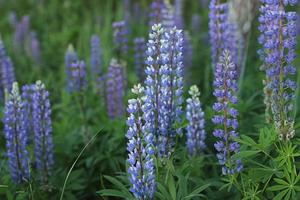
<point x="115" y="90"/>
<point x="195" y="129"/>
<point x="42" y="128"/>
<point x="278" y="37"/>
<point x="140" y="57"/>
<point x="140" y="147"/>
<point x="16" y="135"/>
<point x="70" y="57"/>
<point x="120" y="30"/>
<point x="226" y="115"/>
<point x="95" y="59"/>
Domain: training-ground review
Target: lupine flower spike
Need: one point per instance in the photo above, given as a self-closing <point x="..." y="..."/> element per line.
<point x="120" y="38"/>
<point x="96" y="56"/>
<point x="195" y="129"/>
<point x="16" y="135"/>
<point x="78" y="76"/>
<point x="70" y="57"/>
<point x="42" y="127"/>
<point x="115" y="90"/>
<point x="226" y="115"/>
<point x="278" y="37"/>
<point x="140" y="147"/>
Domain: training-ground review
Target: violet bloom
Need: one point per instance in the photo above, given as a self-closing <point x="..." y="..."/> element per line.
<point x="161" y="13"/>
<point x="140" y="57"/>
<point x="96" y="57"/>
<point x="279" y="39"/>
<point x="42" y="127"/>
<point x="35" y="49"/>
<point x="120" y="30"/>
<point x="115" y="90"/>
<point x="222" y="32"/>
<point x="140" y="149"/>
<point x="6" y="69"/>
<point x="226" y="115"/>
<point x="78" y="76"/>
<point x="21" y="33"/>
<point x="195" y="129"/>
<point x="171" y="99"/>
<point x="70" y="57"/>
<point x="178" y="16"/>
<point x="16" y="135"/>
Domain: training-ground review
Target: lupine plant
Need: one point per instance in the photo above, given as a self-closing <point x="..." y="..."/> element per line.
<point x="195" y="136"/>
<point x="141" y="150"/>
<point x="42" y="128"/>
<point x="278" y="28"/>
<point x="16" y="135"/>
<point x="226" y="115"/>
<point x="96" y="56"/>
<point x="70" y="57"/>
<point x="6" y="70"/>
<point x="120" y="29"/>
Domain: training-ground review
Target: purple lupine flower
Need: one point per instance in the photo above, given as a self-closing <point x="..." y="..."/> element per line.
<point x="16" y="135"/>
<point x="42" y="127"/>
<point x="226" y="116"/>
<point x="278" y="37"/>
<point x="78" y="76"/>
<point x="70" y="57"/>
<point x="35" y="49"/>
<point x="140" y="149"/>
<point x="115" y="90"/>
<point x="6" y="69"/>
<point x="96" y="57"/>
<point x="140" y="57"/>
<point x="21" y="33"/>
<point x="120" y="29"/>
<point x="195" y="129"/>
<point x="27" y="91"/>
<point x="161" y="13"/>
<point x="171" y="88"/>
<point x="222" y="32"/>
<point x="153" y="81"/>
<point x="178" y="17"/>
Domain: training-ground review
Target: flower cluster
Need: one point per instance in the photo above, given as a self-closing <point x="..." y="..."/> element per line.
<point x="115" y="90"/>
<point x="140" y="147"/>
<point x="16" y="135"/>
<point x="226" y="117"/>
<point x="120" y="29"/>
<point x="139" y="57"/>
<point x="96" y="56"/>
<point x="161" y="13"/>
<point x="78" y="80"/>
<point x="195" y="129"/>
<point x="221" y="31"/>
<point x="70" y="57"/>
<point x="42" y="128"/>
<point x="6" y="70"/>
<point x="278" y="37"/>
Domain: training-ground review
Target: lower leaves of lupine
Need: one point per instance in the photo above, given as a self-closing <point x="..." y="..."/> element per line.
<point x="195" y="129"/>
<point x="42" y="128"/>
<point x="16" y="135"/>
<point x="226" y="115"/>
<point x="141" y="169"/>
<point x="115" y="90"/>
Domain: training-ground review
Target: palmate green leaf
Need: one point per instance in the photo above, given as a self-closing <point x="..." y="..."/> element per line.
<point x="197" y="191"/>
<point x="280" y="195"/>
<point x="277" y="187"/>
<point x="118" y="184"/>
<point x="245" y="154"/>
<point x="280" y="181"/>
<point x="246" y="140"/>
<point x="266" y="138"/>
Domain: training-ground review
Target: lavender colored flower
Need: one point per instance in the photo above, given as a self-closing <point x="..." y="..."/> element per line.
<point x="226" y="115"/>
<point x="120" y="29"/>
<point x="178" y="17"/>
<point x="21" y="33"/>
<point x="6" y="69"/>
<point x="96" y="56"/>
<point x="278" y="37"/>
<point x="70" y="57"/>
<point x="161" y="13"/>
<point x="222" y="32"/>
<point x="42" y="127"/>
<point x="35" y="49"/>
<point x="115" y="90"/>
<point x="140" y="147"/>
<point x="78" y="76"/>
<point x="140" y="57"/>
<point x="16" y="135"/>
<point x="27" y="91"/>
<point x="171" y="99"/>
<point x="195" y="129"/>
